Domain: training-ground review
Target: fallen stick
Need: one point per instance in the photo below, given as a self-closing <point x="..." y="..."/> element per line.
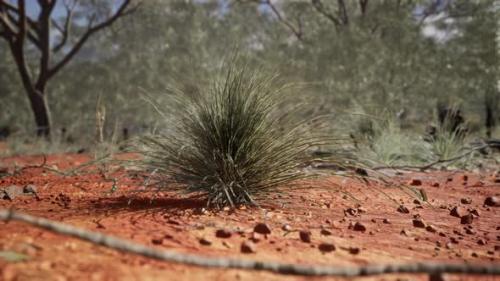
<point x="433" y="269"/>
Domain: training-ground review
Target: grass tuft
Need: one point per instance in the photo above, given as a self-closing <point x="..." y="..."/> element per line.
<point x="230" y="142"/>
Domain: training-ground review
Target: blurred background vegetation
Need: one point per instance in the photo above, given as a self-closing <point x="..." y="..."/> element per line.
<point x="382" y="68"/>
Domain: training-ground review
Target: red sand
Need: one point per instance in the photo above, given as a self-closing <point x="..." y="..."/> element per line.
<point x="170" y="221"/>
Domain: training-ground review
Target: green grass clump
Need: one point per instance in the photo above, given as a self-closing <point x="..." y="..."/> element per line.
<point x="230" y="142"/>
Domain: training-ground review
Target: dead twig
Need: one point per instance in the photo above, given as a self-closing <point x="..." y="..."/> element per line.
<point x="432" y="268"/>
<point x="432" y="164"/>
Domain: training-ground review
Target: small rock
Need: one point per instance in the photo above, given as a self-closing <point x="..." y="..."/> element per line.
<point x="248" y="247"/>
<point x="475" y="212"/>
<point x="351" y="211"/>
<point x="386" y="221"/>
<point x="286" y="227"/>
<point x="467" y="219"/>
<point x="262" y="228"/>
<point x="256" y="237"/>
<point x="458" y="212"/>
<point x="11" y="192"/>
<point x="305" y="236"/>
<point x="417" y="202"/>
<point x="403" y="209"/>
<point x="466" y="201"/>
<point x="453" y="240"/>
<point x="497" y="248"/>
<point x="205" y="242"/>
<point x="435" y="184"/>
<point x="419" y="223"/>
<point x="431" y="228"/>
<point x="354" y="250"/>
<point x="326" y="247"/>
<point x="481" y="241"/>
<point x="359" y="227"/>
<point x="30" y="189"/>
<point x="223" y="233"/>
<point x="465" y="178"/>
<point x="325" y="232"/>
<point x="227" y="244"/>
<point x="415" y="182"/>
<point x="470" y="231"/>
<point x="492" y="201"/>
<point x="474" y="254"/>
<point x="157" y="241"/>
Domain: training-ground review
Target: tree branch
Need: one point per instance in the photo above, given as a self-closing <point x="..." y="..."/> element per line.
<point x="318" y="5"/>
<point x="65" y="30"/>
<point x="297" y="31"/>
<point x="432" y="268"/>
<point x="90" y="31"/>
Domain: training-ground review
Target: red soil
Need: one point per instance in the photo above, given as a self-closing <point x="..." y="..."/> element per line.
<point x="174" y="222"/>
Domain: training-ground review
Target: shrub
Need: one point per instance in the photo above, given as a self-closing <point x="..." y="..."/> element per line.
<point x="229" y="141"/>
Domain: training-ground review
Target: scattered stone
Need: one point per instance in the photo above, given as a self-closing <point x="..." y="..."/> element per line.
<point x="474" y="254"/>
<point x="11" y="192"/>
<point x="30" y="189"/>
<point x="286" y="227"/>
<point x="470" y="231"/>
<point x="417" y="202"/>
<point x="419" y="223"/>
<point x="325" y="232"/>
<point x="354" y="250"/>
<point x="326" y="247"/>
<point x="466" y="201"/>
<point x="359" y="227"/>
<point x="465" y="178"/>
<point x="227" y="244"/>
<point x="351" y="211"/>
<point x="205" y="242"/>
<point x="415" y="182"/>
<point x="467" y="219"/>
<point x="492" y="201"/>
<point x="481" y="241"/>
<point x="386" y="221"/>
<point x="453" y="240"/>
<point x="223" y="233"/>
<point x="458" y="212"/>
<point x="431" y="228"/>
<point x="174" y="222"/>
<point x="157" y="241"/>
<point x="497" y="248"/>
<point x="256" y="237"/>
<point x="435" y="184"/>
<point x="248" y="247"/>
<point x="403" y="209"/>
<point x="262" y="228"/>
<point x="475" y="212"/>
<point x="305" y="236"/>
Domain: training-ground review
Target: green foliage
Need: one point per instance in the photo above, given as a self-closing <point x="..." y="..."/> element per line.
<point x="228" y="141"/>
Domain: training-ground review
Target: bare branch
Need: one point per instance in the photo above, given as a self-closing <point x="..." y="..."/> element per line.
<point x="65" y="31"/>
<point x="432" y="268"/>
<point x="122" y="11"/>
<point x="318" y="5"/>
<point x="297" y="31"/>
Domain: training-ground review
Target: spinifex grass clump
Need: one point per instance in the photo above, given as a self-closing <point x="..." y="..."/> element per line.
<point x="230" y="142"/>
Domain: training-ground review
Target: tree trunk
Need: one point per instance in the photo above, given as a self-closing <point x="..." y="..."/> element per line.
<point x="40" y="110"/>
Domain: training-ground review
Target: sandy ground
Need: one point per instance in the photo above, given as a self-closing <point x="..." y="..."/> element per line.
<point x="328" y="207"/>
